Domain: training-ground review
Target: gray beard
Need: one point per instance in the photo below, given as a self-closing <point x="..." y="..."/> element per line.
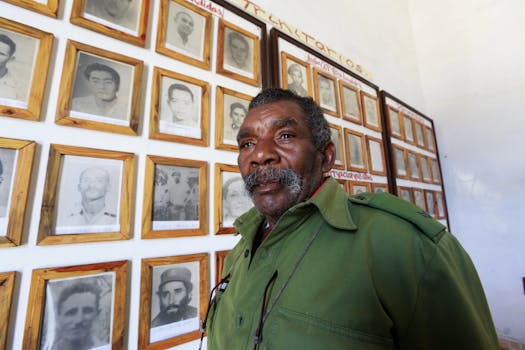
<point x="287" y="177"/>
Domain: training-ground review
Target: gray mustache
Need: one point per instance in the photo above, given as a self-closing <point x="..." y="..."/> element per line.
<point x="261" y="175"/>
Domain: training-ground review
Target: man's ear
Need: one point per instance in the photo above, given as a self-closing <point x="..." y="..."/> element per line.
<point x="328" y="156"/>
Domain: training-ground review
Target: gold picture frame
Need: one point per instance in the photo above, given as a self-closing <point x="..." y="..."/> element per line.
<point x="355" y="148"/>
<point x="435" y="171"/>
<point x="431" y="140"/>
<point x="7" y="285"/>
<point x="350" y="103"/>
<point x="103" y="210"/>
<point x="357" y="187"/>
<point x="336" y="132"/>
<point x="326" y="94"/>
<point x="441" y="208"/>
<point x="414" y="167"/>
<point x="371" y="112"/>
<point x="419" y="198"/>
<point x="290" y="66"/>
<point x="400" y="162"/>
<point x="426" y="175"/>
<point x="395" y="122"/>
<point x="430" y="202"/>
<point x="48" y="8"/>
<point x="421" y="140"/>
<point x="220" y="256"/>
<point x="376" y="156"/>
<point x="408" y="129"/>
<point x="231" y="108"/>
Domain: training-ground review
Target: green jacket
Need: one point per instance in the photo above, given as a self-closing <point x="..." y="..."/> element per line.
<point x="379" y="274"/>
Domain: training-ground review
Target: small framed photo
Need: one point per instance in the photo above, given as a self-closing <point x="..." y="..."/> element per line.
<point x="220" y="256"/>
<point x="174" y="296"/>
<point x="100" y="90"/>
<point x="16" y="163"/>
<point x="413" y="166"/>
<point x="400" y="162"/>
<point x="77" y="307"/>
<point x="230" y="110"/>
<point x="405" y="193"/>
<point x="296" y="75"/>
<point x="434" y="169"/>
<point x="408" y="124"/>
<point x="326" y="95"/>
<point x="7" y="284"/>
<point x="22" y="85"/>
<point x="419" y="198"/>
<point x="440" y="205"/>
<point x="179" y="109"/>
<point x="379" y="188"/>
<point x="125" y="20"/>
<point x="175" y="192"/>
<point x="395" y="122"/>
<point x="371" y="113"/>
<point x="430" y="201"/>
<point x="350" y="103"/>
<point x="45" y="7"/>
<point x="420" y="135"/>
<point x="431" y="140"/>
<point x="356" y="187"/>
<point x="238" y="54"/>
<point x="425" y="169"/>
<point x="231" y="198"/>
<point x="355" y="151"/>
<point x="184" y="32"/>
<point x="376" y="156"/>
<point x="87" y="196"/>
<point x="336" y="132"/>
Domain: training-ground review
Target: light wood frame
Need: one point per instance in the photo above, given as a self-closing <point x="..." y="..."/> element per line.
<point x="391" y="111"/>
<point x="154" y="131"/>
<point x="400" y="189"/>
<point x="255" y="78"/>
<point x="335" y="112"/>
<point x="220" y="117"/>
<point x="46" y="235"/>
<point x="19" y="190"/>
<point x="7" y="284"/>
<point x="423" y="204"/>
<point x="396" y="162"/>
<point x="349" y="164"/>
<point x="63" y="115"/>
<point x="339" y="146"/>
<point x="37" y="298"/>
<point x="40" y="69"/>
<point x="435" y="171"/>
<point x="431" y="140"/>
<point x="421" y="140"/>
<point x="285" y="56"/>
<point x="49" y="8"/>
<point x="148" y="232"/>
<point x="425" y="163"/>
<point x="411" y="170"/>
<point x="220" y="256"/>
<point x="371" y="169"/>
<point x="358" y="116"/>
<point x="438" y="196"/>
<point x="408" y="121"/>
<point x="429" y="193"/>
<point x="375" y="186"/>
<point x="139" y="39"/>
<point x="164" y="49"/>
<point x="351" y="185"/>
<point x="366" y="117"/>
<point x="146" y="298"/>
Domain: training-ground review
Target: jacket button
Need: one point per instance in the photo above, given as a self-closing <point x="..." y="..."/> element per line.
<point x="246" y="253"/>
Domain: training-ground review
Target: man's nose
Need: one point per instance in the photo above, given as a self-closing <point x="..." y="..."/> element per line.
<point x="265" y="152"/>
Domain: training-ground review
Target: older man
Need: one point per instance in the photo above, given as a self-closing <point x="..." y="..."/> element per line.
<point x="317" y="269"/>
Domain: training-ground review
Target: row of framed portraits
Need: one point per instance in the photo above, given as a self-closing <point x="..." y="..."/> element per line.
<point x="357" y="187"/>
<point x="409" y="130"/>
<point x="433" y="202"/>
<point x="88" y="195"/>
<point x="87" y="304"/>
<point x="414" y="166"/>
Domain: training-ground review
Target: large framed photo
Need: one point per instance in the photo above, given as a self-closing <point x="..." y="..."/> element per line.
<point x="238" y="53"/>
<point x="122" y="19"/>
<point x="371" y="114"/>
<point x="87" y="196"/>
<point x="100" y="90"/>
<point x="350" y="103"/>
<point x="295" y="75"/>
<point x="184" y="32"/>
<point x="230" y="110"/>
<point x="419" y="198"/>
<point x="413" y="166"/>
<point x="77" y="307"/>
<point x="326" y="95"/>
<point x="396" y="123"/>
<point x="179" y="109"/>
<point x="220" y="256"/>
<point x="7" y="284"/>
<point x="336" y="133"/>
<point x="231" y="198"/>
<point x="355" y="151"/>
<point x="16" y="162"/>
<point x="173" y="298"/>
<point x="376" y="156"/>
<point x="408" y="124"/>
<point x="175" y="192"/>
<point x="22" y="85"/>
<point x="400" y="162"/>
<point x="45" y="7"/>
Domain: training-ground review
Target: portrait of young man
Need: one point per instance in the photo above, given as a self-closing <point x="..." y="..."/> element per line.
<point x="238" y="52"/>
<point x="296" y="79"/>
<point x="233" y="114"/>
<point x="317" y="269"/>
<point x="119" y="13"/>
<point x="185" y="31"/>
<point x="326" y="92"/>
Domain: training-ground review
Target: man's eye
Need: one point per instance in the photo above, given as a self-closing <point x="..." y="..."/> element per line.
<point x="246" y="144"/>
<point x="286" y="136"/>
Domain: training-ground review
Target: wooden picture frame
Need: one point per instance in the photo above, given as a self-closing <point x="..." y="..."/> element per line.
<point x="431" y="140"/>
<point x="326" y="94"/>
<point x="294" y="74"/>
<point x="419" y="198"/>
<point x="355" y="148"/>
<point x="400" y="162"/>
<point x="7" y="286"/>
<point x="441" y="211"/>
<point x="414" y="167"/>
<point x="435" y="171"/>
<point x="57" y="292"/>
<point x="102" y="208"/>
<point x="430" y="202"/>
<point x="426" y="175"/>
<point x="184" y="116"/>
<point x="159" y="275"/>
<point x="124" y="23"/>
<point x="405" y="193"/>
<point x="231" y="108"/>
<point x="23" y="85"/>
<point x="371" y="111"/>
<point x="175" y="198"/>
<point x="357" y="187"/>
<point x="16" y="164"/>
<point x="220" y="256"/>
<point x="421" y="140"/>
<point x="195" y="23"/>
<point x="395" y="122"/>
<point x="47" y="7"/>
<point x="350" y="103"/>
<point x="236" y="62"/>
<point x="376" y="156"/>
<point x="379" y="188"/>
<point x="116" y="73"/>
<point x="336" y="132"/>
<point x="408" y="127"/>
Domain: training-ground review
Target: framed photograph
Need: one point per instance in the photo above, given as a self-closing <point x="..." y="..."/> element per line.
<point x="219" y="264"/>
<point x="408" y="124"/>
<point x="376" y="156"/>
<point x="184" y="32"/>
<point x="238" y="54"/>
<point x="430" y="201"/>
<point x="371" y="113"/>
<point x="16" y="163"/>
<point x="173" y="298"/>
<point x="100" y="90"/>
<point x="22" y="85"/>
<point x="45" y="7"/>
<point x="420" y="135"/>
<point x="426" y="176"/>
<point x="336" y="132"/>
<point x="440" y="206"/>
<point x="296" y="75"/>
<point x="7" y="284"/>
<point x="355" y="151"/>
<point x="87" y="196"/>
<point x="350" y="103"/>
<point x="405" y="193"/>
<point x="77" y="307"/>
<point x="175" y="192"/>
<point x="231" y="198"/>
<point x="326" y="95"/>
<point x="400" y="162"/>
<point x="356" y="187"/>
<point x="434" y="169"/>
<point x="413" y="166"/>
<point x="230" y="110"/>
<point x="379" y="188"/>
<point x="419" y="198"/>
<point x="395" y="122"/>
<point x="180" y="108"/>
<point x="431" y="140"/>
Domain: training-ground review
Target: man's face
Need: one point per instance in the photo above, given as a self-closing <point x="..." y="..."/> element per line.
<point x="324" y="90"/>
<point x="297" y="77"/>
<point x="76" y="316"/>
<point x="239" y="51"/>
<point x="94" y="184"/>
<point x="173" y="295"/>
<point x="102" y="85"/>
<point x="184" y="24"/>
<point x="237" y="202"/>
<point x="180" y="104"/>
<point x="238" y="114"/>
<point x="5" y="54"/>
<point x="116" y="8"/>
<point x="277" y="136"/>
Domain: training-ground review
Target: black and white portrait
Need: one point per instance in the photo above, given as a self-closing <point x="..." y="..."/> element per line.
<point x="434" y="168"/>
<point x="235" y="199"/>
<point x="326" y="93"/>
<point x="401" y="168"/>
<point x="7" y="175"/>
<point x="420" y="135"/>
<point x="297" y="78"/>
<point x="430" y="140"/>
<point x="335" y="135"/>
<point x="431" y="205"/>
<point x="395" y="127"/>
<point x="371" y="111"/>
<point x="185" y="31"/>
<point x="440" y="205"/>
<point x="174" y="300"/>
<point x="425" y="172"/>
<point x="351" y="104"/>
<point x="122" y="15"/>
<point x="88" y="198"/>
<point x="78" y="313"/>
<point x="175" y="197"/>
<point x="377" y="164"/>
<point x="102" y="90"/>
<point x="419" y="200"/>
<point x="18" y="55"/>
<point x="238" y="52"/>
<point x="405" y="194"/>
<point x="234" y="111"/>
<point x="180" y="108"/>
<point x="414" y="165"/>
<point x="409" y="131"/>
<point x="356" y="151"/>
<point x="357" y="189"/>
